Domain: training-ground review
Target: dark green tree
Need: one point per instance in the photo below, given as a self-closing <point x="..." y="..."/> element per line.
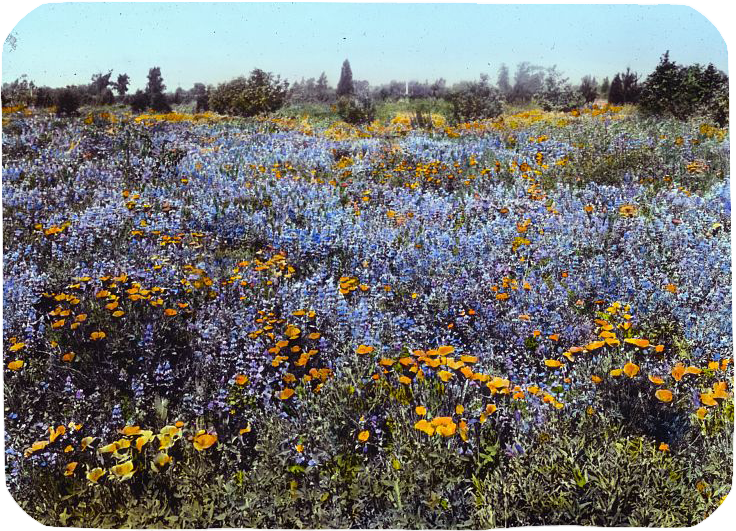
<point x="155" y="81"/>
<point x="67" y="102"/>
<point x="605" y="87"/>
<point x="155" y="91"/>
<point x="100" y="82"/>
<point x="616" y="92"/>
<point x="589" y="88"/>
<point x="345" y="85"/>
<point x="631" y="88"/>
<point x="139" y="102"/>
<point x="682" y="91"/>
<point x="121" y="86"/>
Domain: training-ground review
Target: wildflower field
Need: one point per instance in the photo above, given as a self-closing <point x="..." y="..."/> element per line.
<point x="289" y="322"/>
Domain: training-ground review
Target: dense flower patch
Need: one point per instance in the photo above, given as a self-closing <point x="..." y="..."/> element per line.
<point x="280" y="313"/>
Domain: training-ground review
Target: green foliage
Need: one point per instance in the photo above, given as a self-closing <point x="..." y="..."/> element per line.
<point x="589" y="89"/>
<point x="121" y="85"/>
<point x="355" y="110"/>
<point x="624" y="88"/>
<point x="139" y="101"/>
<point x="476" y="100"/>
<point x="684" y="91"/>
<point x="261" y="92"/>
<point x="159" y="102"/>
<point x="587" y="471"/>
<point x="155" y="81"/>
<point x="558" y="95"/>
<point x="67" y="102"/>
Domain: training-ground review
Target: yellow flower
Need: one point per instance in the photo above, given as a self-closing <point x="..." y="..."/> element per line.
<point x="363" y="435"/>
<point x="286" y="393"/>
<point x="69" y="470"/>
<point x="131" y="430"/>
<point x="631" y="369"/>
<point x="364" y="349"/>
<point x="145" y="438"/>
<point x="95" y="474"/>
<point x="641" y="343"/>
<point x="446" y="430"/>
<point x="420" y="410"/>
<point x="425" y="427"/>
<point x="663" y="395"/>
<point x="35" y="447"/>
<point x="160" y="461"/>
<point x="16" y="365"/>
<point x="109" y="448"/>
<point x="445" y="375"/>
<point x="123" y="471"/>
<point x="204" y="440"/>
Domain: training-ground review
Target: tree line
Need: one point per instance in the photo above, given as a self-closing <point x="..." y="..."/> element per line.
<point x="671" y="88"/>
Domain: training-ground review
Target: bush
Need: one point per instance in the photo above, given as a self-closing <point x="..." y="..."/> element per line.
<point x="67" y="102"/>
<point x="557" y="94"/>
<point x="355" y="110"/>
<point x="683" y="92"/>
<point x="139" y="101"/>
<point x="159" y="103"/>
<point x="475" y="101"/>
<point x="260" y="93"/>
<point x="106" y="97"/>
<point x="44" y="97"/>
<point x="203" y="103"/>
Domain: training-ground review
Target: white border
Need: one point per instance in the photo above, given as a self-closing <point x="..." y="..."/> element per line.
<point x="719" y="13"/>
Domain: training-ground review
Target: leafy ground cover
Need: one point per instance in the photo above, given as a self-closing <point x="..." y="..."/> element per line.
<point x="286" y="322"/>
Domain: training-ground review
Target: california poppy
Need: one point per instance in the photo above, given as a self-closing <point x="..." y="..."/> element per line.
<point x="663" y="395"/>
<point x="95" y="474"/>
<point x="204" y="440"/>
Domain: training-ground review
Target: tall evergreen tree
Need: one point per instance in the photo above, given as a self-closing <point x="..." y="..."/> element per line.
<point x="631" y="89"/>
<point x="616" y="92"/>
<point x="345" y="85"/>
<point x="155" y="82"/>
<point x="155" y="91"/>
<point x="322" y="88"/>
<point x="503" y="83"/>
<point x="605" y="87"/>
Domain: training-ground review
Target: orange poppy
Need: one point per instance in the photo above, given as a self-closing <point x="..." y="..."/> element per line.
<point x="663" y="395"/>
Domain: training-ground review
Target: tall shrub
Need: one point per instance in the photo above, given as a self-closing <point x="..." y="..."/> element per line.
<point x="261" y="92"/>
<point x="476" y="100"/>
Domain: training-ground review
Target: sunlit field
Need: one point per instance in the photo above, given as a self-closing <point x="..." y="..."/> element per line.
<point x="289" y="321"/>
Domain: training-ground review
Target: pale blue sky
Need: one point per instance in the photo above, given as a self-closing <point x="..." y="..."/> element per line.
<point x="59" y="44"/>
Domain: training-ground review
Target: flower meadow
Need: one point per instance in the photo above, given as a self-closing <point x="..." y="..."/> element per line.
<point x="289" y="322"/>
